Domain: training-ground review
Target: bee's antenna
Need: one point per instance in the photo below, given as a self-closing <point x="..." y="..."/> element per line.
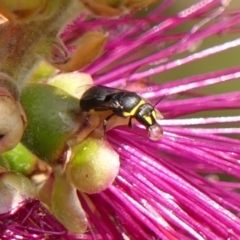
<point x="131" y="73"/>
<point x="159" y="100"/>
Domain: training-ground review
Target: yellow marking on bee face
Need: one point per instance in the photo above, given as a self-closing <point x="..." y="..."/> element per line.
<point x="133" y="111"/>
<point x="148" y="119"/>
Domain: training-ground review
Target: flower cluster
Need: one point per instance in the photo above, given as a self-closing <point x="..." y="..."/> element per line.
<point x="184" y="186"/>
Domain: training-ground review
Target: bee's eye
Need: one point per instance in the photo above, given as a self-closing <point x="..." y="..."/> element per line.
<point x="149" y="114"/>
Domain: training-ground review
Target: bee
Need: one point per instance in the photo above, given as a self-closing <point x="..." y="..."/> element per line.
<point x="123" y="104"/>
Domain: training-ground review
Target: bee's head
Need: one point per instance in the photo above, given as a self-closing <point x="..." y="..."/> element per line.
<point x="147" y="116"/>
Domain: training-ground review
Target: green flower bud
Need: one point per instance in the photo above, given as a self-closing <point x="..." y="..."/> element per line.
<point x="93" y="166"/>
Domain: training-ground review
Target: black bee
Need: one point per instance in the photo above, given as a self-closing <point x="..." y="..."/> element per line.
<point x="124" y="104"/>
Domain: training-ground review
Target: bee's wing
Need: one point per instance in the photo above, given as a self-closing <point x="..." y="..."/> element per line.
<point x="90" y="91"/>
<point x="95" y="97"/>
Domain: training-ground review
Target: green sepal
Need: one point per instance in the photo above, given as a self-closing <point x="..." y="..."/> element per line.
<point x="52" y="118"/>
<point x="20" y="159"/>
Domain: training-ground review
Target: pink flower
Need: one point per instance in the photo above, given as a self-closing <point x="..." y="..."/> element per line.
<point x="183" y="186"/>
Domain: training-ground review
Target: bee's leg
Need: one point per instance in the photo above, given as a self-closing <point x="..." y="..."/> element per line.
<point x="130" y="123"/>
<point x="105" y="123"/>
<point x="89" y="47"/>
